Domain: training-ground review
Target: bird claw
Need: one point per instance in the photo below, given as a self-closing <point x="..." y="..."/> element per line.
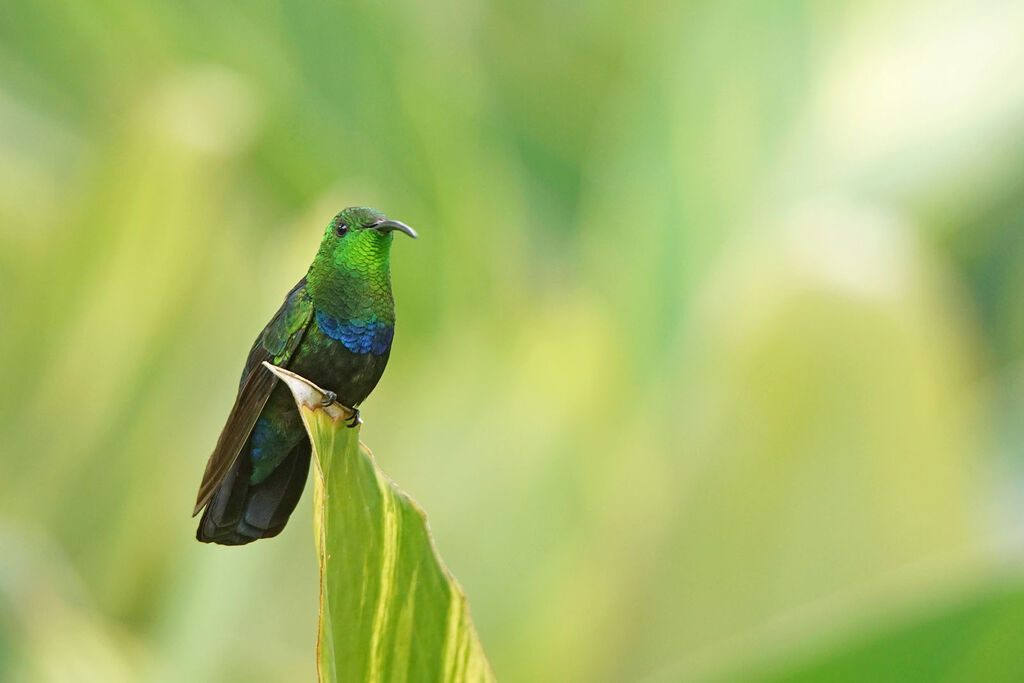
<point x="330" y="397"/>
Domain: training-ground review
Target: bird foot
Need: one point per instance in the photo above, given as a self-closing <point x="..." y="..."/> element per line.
<point x="331" y="397"/>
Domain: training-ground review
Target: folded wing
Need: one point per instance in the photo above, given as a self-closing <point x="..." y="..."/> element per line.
<point x="276" y="343"/>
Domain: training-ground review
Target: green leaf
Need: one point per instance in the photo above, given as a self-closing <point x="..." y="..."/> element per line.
<point x="389" y="608"/>
<point x="978" y="637"/>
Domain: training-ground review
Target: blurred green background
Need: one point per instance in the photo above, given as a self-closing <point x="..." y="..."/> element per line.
<point x="710" y="358"/>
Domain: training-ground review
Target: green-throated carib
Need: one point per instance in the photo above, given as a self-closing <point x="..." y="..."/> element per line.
<point x="334" y="328"/>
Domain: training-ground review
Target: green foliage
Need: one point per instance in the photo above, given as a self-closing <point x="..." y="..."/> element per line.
<point x="978" y="637"/>
<point x="389" y="608"/>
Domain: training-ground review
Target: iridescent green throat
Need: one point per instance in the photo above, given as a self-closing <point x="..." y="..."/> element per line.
<point x="350" y="284"/>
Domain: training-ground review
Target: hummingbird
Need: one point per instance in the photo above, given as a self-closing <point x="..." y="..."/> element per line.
<point x="334" y="328"/>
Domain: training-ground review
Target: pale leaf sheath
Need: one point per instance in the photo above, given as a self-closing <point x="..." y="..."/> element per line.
<point x="389" y="608"/>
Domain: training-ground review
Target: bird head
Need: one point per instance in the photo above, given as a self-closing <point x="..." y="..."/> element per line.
<point x="359" y="238"/>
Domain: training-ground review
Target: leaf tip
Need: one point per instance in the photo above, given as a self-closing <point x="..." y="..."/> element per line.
<point x="307" y="394"/>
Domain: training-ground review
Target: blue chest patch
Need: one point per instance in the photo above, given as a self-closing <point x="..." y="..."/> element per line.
<point x="371" y="336"/>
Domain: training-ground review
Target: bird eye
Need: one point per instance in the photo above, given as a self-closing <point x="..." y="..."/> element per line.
<point x="340" y="228"/>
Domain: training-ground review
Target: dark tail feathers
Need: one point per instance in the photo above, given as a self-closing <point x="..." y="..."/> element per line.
<point x="241" y="512"/>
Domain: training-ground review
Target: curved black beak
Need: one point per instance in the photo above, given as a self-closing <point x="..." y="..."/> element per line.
<point x="388" y="226"/>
